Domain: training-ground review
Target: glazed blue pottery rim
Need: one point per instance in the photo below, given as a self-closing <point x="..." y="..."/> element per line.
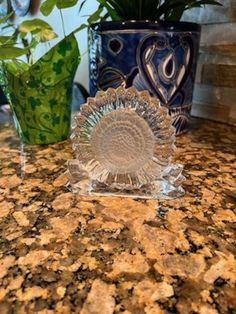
<point x="146" y="25"/>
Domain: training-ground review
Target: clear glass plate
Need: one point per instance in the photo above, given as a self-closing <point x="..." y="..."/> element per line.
<point x="124" y="144"/>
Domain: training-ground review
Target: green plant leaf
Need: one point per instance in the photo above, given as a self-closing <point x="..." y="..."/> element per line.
<point x="95" y="16"/>
<point x="82" y="26"/>
<point x="7" y="53"/>
<point x="47" y="6"/>
<point x="170" y="10"/>
<point x="5" y="39"/>
<point x="5" y="18"/>
<point x="15" y="67"/>
<point x="82" y="5"/>
<point x="33" y="44"/>
<point x="63" y="4"/>
<point x="111" y="12"/>
<point x="41" y="29"/>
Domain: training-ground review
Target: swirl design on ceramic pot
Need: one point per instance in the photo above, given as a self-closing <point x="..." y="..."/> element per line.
<point x="123" y="138"/>
<point x="164" y="67"/>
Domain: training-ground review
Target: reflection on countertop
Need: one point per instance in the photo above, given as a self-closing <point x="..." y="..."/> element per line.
<point x="5" y="114"/>
<point x="62" y="253"/>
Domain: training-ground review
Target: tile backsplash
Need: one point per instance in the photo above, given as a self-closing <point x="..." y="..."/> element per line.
<point x="215" y="90"/>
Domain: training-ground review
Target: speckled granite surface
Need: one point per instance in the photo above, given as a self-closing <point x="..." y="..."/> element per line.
<point x="60" y="253"/>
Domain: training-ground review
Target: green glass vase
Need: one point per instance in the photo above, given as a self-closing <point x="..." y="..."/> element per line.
<point x="41" y="95"/>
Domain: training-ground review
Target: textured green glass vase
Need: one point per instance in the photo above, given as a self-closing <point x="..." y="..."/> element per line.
<point x="41" y="95"/>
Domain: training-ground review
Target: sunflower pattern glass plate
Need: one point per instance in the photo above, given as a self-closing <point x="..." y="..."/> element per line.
<point x="124" y="143"/>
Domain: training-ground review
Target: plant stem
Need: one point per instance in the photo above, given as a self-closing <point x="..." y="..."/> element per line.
<point x="63" y="24"/>
<point x="30" y="59"/>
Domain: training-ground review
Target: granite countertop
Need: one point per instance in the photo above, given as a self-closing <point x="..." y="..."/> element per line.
<point x="62" y="253"/>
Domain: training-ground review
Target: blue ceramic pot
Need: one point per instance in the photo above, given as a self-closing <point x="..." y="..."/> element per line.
<point x="160" y="57"/>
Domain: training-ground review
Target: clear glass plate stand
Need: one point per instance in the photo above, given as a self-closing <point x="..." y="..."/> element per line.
<point x="124" y="144"/>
